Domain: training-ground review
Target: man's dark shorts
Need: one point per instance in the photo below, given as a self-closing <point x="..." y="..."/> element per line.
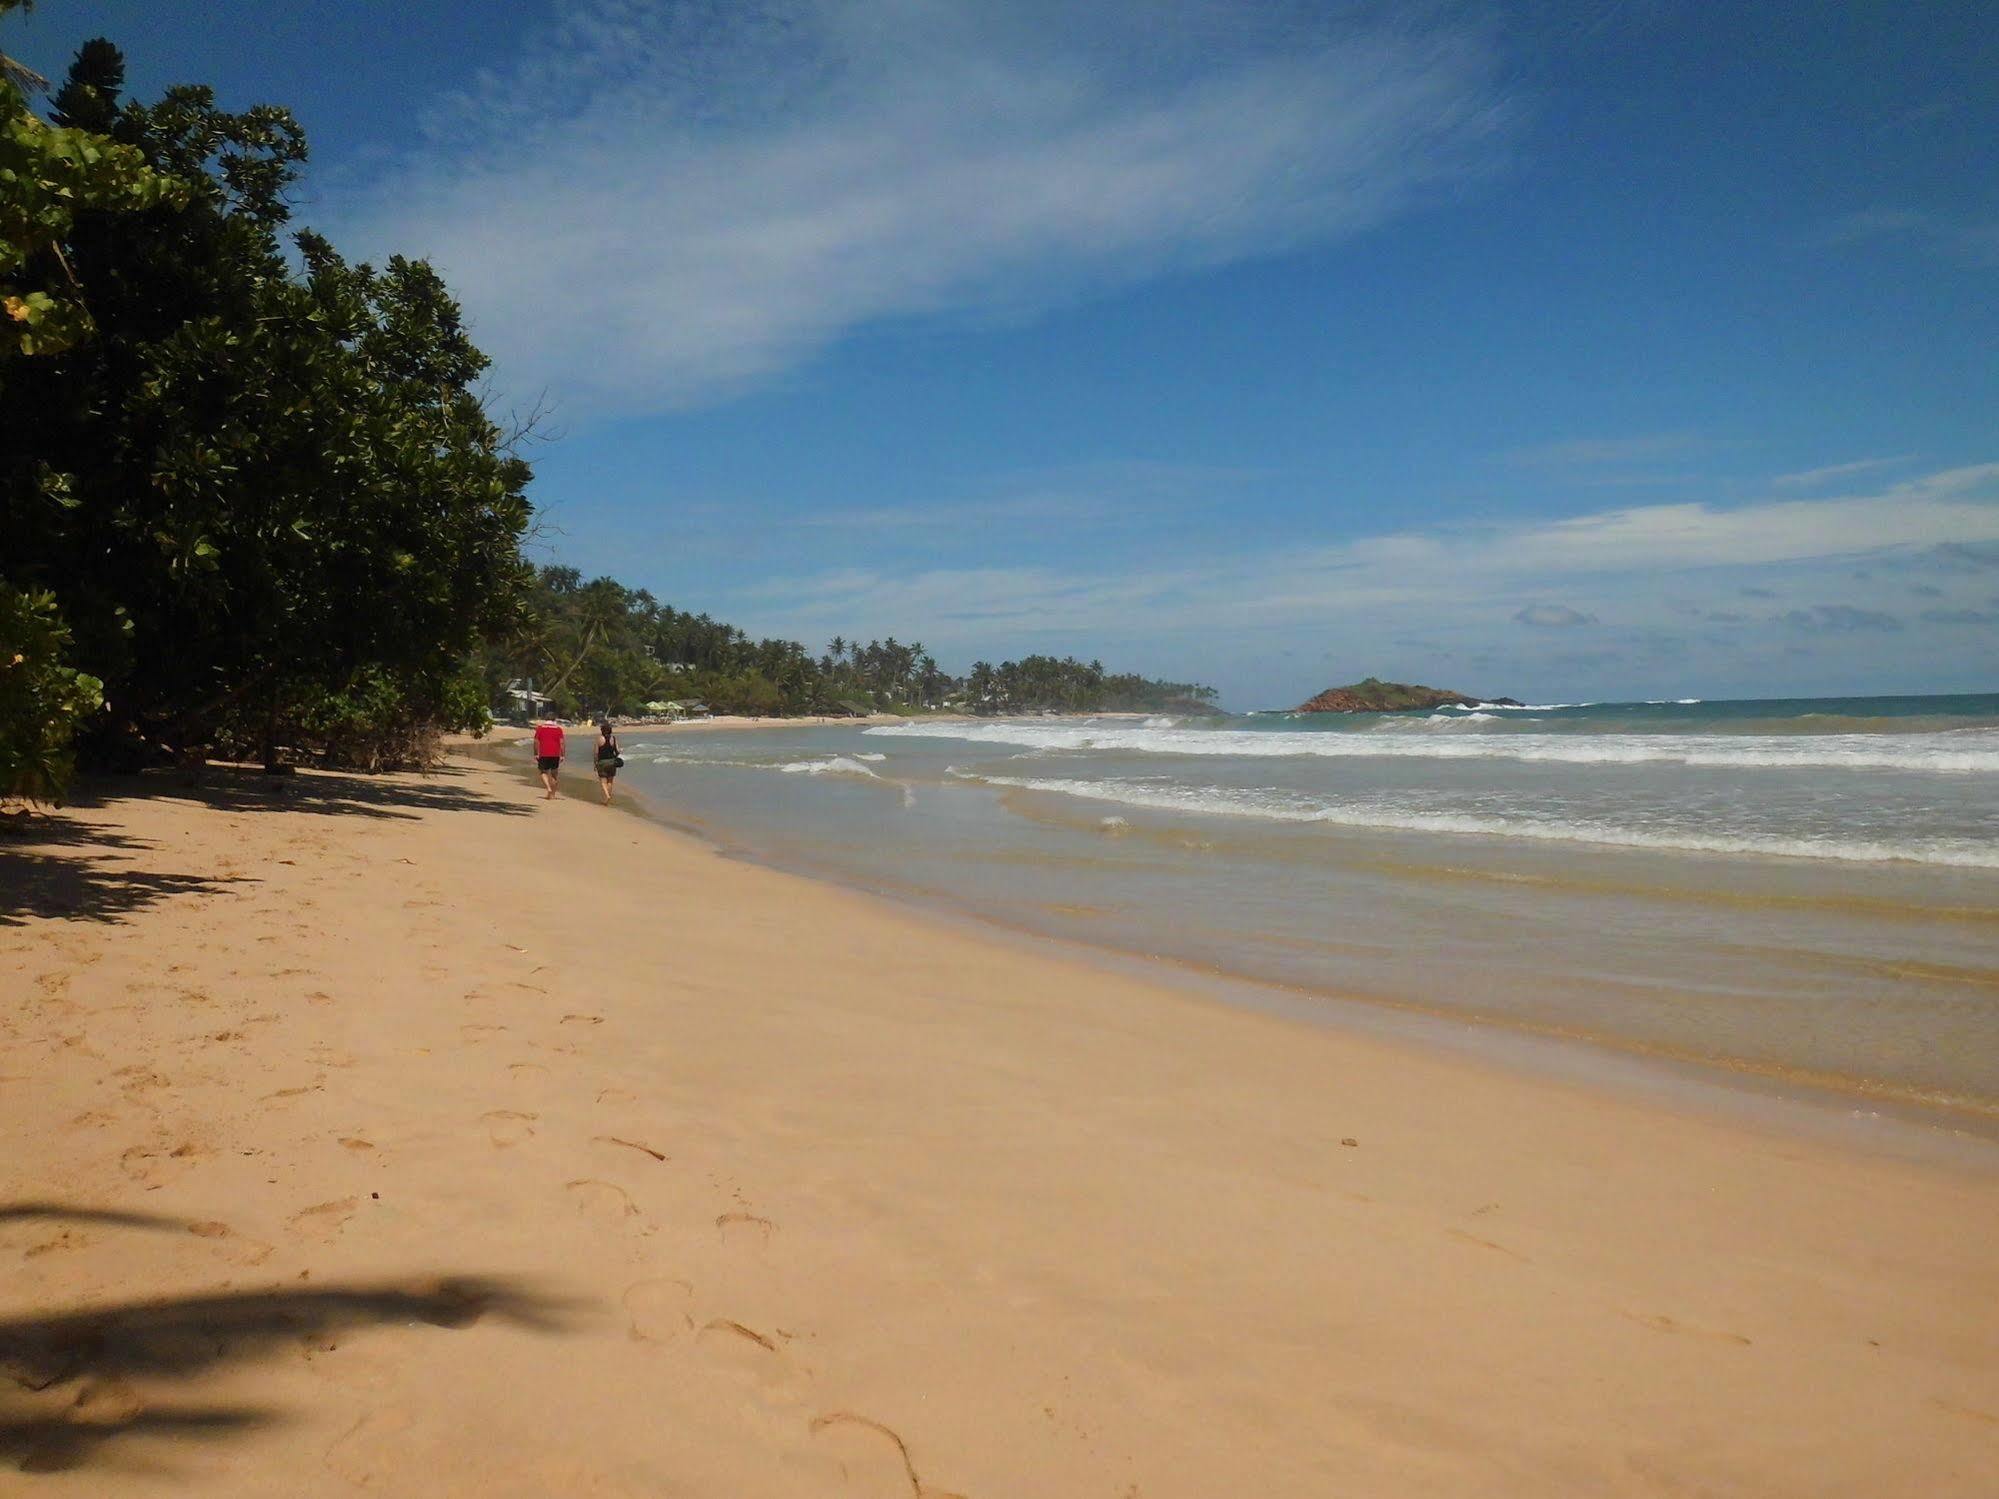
<point x="548" y="763"/>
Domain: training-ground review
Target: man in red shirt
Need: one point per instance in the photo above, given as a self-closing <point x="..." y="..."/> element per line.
<point x="548" y="754"/>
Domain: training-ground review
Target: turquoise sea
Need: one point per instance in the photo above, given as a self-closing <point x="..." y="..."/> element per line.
<point x="1805" y="890"/>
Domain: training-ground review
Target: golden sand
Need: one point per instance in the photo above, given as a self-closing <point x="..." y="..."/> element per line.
<point x="417" y="1137"/>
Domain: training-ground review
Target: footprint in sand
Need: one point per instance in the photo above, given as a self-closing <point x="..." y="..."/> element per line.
<point x="66" y="1239"/>
<point x="243" y="1250"/>
<point x="1659" y="1322"/>
<point x="481" y="1032"/>
<point x="107" y="1402"/>
<point x="582" y="1020"/>
<point x="507" y="1127"/>
<point x="745" y="1228"/>
<point x="733" y="1345"/>
<point x="872" y="1458"/>
<point x="140" y="1080"/>
<point x="374" y="1449"/>
<point x="1513" y="1254"/>
<point x="616" y="1095"/>
<point x="154" y="1167"/>
<point x="324" y="1220"/>
<point x="526" y="1072"/>
<point x="658" y="1309"/>
<point x="353" y="1366"/>
<point x="601" y="1202"/>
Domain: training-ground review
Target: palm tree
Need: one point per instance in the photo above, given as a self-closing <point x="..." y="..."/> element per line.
<point x="601" y="611"/>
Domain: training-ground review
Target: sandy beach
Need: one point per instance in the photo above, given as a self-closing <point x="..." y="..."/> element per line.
<point x="413" y="1136"/>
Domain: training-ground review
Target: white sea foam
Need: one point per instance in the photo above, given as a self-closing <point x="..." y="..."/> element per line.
<point x="1952" y="751"/>
<point x="1279" y="806"/>
<point x="876" y="758"/>
<point x="837" y="765"/>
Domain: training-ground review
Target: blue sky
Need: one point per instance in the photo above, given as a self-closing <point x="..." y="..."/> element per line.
<point x="1630" y="349"/>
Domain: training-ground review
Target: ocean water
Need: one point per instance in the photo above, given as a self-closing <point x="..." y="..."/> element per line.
<point x="1804" y="890"/>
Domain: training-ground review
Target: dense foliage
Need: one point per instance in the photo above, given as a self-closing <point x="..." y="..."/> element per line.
<point x="599" y="647"/>
<point x="42" y="700"/>
<point x="48" y="175"/>
<point x="262" y="488"/>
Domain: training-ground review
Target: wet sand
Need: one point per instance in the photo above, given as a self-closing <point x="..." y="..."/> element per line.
<point x="416" y="1136"/>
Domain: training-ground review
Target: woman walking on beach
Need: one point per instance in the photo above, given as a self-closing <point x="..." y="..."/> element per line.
<point x="608" y="758"/>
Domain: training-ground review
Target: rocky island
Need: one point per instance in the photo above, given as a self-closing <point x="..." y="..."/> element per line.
<point x="1376" y="696"/>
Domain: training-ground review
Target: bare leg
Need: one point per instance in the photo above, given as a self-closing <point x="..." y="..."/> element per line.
<point x="548" y="780"/>
<point x="605" y="782"/>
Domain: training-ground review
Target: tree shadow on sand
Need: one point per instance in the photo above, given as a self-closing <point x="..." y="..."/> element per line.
<point x="243" y="788"/>
<point x="59" y="869"/>
<point x="110" y="1217"/>
<point x="67" y="1378"/>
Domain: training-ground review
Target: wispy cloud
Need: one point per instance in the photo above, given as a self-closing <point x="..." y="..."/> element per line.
<point x="1606" y="452"/>
<point x="1553" y="617"/>
<point x="1967" y="241"/>
<point x="1814" y="478"/>
<point x="1618" y="566"/>
<point x="665" y="203"/>
<point x="1840" y="617"/>
<point x="1071" y="511"/>
<point x="1968" y="556"/>
<point x="1073" y="497"/>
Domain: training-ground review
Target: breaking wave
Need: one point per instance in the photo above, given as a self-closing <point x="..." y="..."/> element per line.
<point x="837" y="765"/>
<point x="1950" y="751"/>
<point x="1278" y="806"/>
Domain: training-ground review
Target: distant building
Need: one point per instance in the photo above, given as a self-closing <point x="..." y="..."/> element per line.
<point x="527" y="703"/>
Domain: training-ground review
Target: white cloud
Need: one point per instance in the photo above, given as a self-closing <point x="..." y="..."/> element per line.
<point x="1595" y="452"/>
<point x="1627" y="568"/>
<point x="664" y="203"/>
<point x="1553" y="617"/>
<point x="1814" y="478"/>
<point x="1073" y="497"/>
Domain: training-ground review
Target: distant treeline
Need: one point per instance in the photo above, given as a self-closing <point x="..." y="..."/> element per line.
<point x="252" y="499"/>
<point x="599" y="647"/>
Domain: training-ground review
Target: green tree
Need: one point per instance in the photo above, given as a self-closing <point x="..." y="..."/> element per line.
<point x="49" y="174"/>
<point x="42" y="700"/>
<point x="261" y="486"/>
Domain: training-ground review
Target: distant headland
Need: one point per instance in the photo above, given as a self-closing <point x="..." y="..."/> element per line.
<point x="1372" y="695"/>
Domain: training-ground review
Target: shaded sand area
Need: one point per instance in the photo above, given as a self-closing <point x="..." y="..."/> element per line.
<point x="415" y="1137"/>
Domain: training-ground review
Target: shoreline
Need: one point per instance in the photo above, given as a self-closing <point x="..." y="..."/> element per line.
<point x="1819" y="1104"/>
<point x="514" y="1155"/>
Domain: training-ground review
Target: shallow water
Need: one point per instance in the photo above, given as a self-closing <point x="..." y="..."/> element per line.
<point x="1806" y="891"/>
